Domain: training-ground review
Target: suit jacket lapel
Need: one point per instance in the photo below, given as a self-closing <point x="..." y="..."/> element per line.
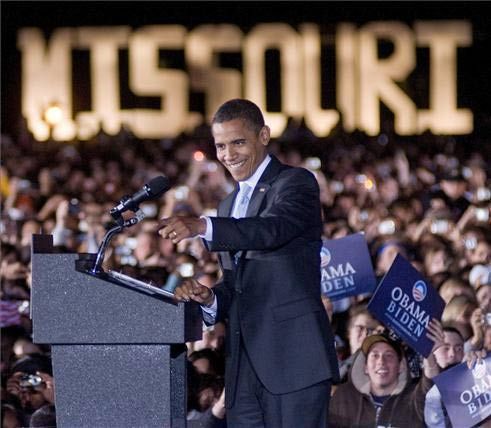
<point x="225" y="207"/>
<point x="225" y="210"/>
<point x="263" y="185"/>
<point x="257" y="198"/>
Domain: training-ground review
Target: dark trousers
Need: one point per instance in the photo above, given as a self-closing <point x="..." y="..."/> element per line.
<point x="254" y="406"/>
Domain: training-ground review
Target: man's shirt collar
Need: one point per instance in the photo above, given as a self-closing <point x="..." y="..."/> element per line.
<point x="254" y="178"/>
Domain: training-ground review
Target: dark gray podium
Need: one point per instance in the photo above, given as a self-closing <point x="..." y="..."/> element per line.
<point x="119" y="358"/>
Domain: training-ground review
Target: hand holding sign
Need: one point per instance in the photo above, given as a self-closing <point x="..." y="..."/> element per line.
<point x="466" y="392"/>
<point x="405" y="301"/>
<point x="435" y="334"/>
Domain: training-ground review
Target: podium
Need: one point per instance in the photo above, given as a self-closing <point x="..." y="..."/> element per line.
<point x="119" y="355"/>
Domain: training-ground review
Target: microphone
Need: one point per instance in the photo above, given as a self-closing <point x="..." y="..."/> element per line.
<point x="155" y="188"/>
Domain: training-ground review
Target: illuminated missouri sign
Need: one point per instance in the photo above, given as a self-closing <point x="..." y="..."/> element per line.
<point x="363" y="79"/>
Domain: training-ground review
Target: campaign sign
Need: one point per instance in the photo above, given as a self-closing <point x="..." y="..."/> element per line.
<point x="406" y="302"/>
<point x="466" y="393"/>
<point x="346" y="268"/>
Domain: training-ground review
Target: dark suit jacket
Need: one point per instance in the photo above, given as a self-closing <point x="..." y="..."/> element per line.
<point x="272" y="296"/>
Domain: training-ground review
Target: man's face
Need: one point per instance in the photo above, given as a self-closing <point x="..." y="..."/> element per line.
<point x="382" y="366"/>
<point x="32" y="399"/>
<point x="481" y="254"/>
<point x="202" y="365"/>
<point x="451" y="352"/>
<point x="387" y="257"/>
<point x="363" y="325"/>
<point x="484" y="298"/>
<point x="239" y="148"/>
<point x="453" y="189"/>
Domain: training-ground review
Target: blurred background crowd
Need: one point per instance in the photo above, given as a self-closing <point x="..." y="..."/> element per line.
<point x="427" y="198"/>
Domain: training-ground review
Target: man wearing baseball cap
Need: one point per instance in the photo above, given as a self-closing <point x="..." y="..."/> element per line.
<point x="380" y="391"/>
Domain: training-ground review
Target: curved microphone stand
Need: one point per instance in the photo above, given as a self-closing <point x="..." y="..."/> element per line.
<point x="109" y="235"/>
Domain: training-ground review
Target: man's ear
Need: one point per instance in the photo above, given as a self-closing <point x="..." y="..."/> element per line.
<point x="265" y="135"/>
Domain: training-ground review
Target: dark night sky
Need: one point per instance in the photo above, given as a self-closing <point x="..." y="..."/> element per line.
<point x="474" y="64"/>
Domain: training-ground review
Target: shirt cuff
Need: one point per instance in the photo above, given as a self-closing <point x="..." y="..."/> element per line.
<point x="210" y="312"/>
<point x="208" y="235"/>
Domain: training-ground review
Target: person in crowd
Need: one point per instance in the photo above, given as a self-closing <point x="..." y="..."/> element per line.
<point x="10" y="416"/>
<point x="206" y="399"/>
<point x="30" y="386"/>
<point x="449" y="354"/>
<point x="35" y="178"/>
<point x="276" y="321"/>
<point x="213" y="338"/>
<point x="437" y="259"/>
<point x="207" y="361"/>
<point x="458" y="312"/>
<point x="454" y="187"/>
<point x="483" y="296"/>
<point x="386" y="252"/>
<point x="360" y="325"/>
<point x="477" y="322"/>
<point x="207" y="389"/>
<point x="481" y="254"/>
<point x="44" y="417"/>
<point x="480" y="275"/>
<point x="455" y="286"/>
<point x="146" y="250"/>
<point x="379" y="391"/>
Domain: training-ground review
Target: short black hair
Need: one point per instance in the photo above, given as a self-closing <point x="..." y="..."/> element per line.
<point x="448" y="328"/>
<point x="239" y="108"/>
<point x="33" y="363"/>
<point x="213" y="357"/>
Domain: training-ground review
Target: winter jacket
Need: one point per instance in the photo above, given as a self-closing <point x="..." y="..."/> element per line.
<point x="352" y="404"/>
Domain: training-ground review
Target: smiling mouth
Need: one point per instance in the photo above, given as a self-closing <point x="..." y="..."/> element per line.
<point x="236" y="164"/>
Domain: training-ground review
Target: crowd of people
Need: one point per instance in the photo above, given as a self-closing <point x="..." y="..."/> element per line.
<point x="427" y="198"/>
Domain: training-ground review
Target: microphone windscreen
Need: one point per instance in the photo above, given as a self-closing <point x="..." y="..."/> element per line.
<point x="158" y="185"/>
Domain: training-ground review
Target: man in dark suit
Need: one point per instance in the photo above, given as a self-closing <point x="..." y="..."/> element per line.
<point x="280" y="348"/>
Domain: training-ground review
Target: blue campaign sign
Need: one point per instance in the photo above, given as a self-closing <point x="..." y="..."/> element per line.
<point x="466" y="393"/>
<point x="405" y="301"/>
<point x="346" y="268"/>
